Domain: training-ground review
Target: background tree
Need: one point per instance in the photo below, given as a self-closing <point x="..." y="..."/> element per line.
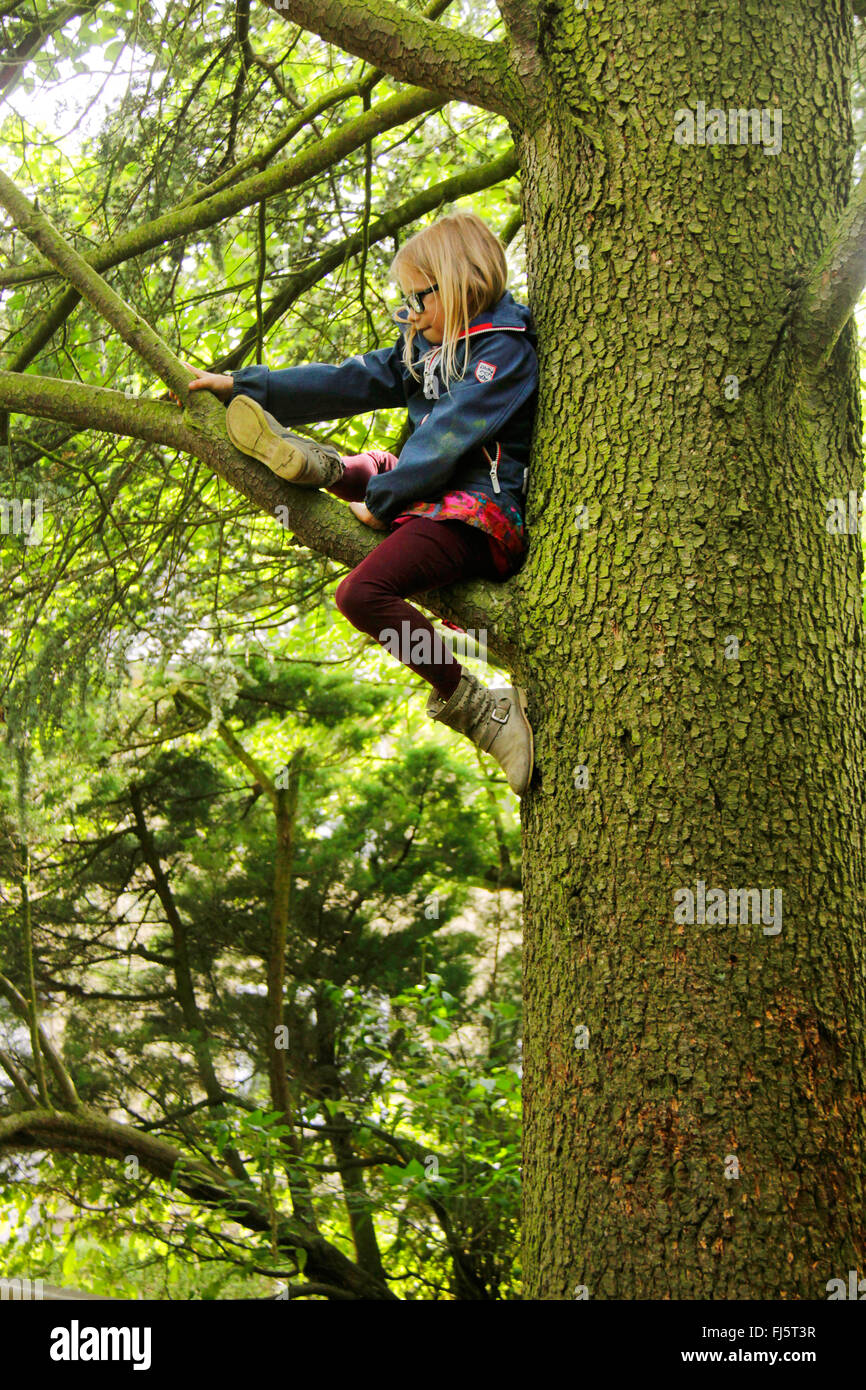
<point x="189" y="945"/>
<point x="693" y="1092"/>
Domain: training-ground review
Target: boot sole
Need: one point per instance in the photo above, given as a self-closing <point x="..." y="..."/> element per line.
<point x="523" y="704"/>
<point x="250" y="432"/>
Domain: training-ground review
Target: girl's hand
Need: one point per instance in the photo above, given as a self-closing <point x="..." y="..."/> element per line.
<point x="363" y="514"/>
<point x="221" y="385"/>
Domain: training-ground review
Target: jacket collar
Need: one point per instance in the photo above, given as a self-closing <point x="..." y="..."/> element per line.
<point x="506" y="313"/>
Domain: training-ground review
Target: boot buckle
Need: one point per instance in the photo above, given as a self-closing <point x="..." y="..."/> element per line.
<point x="500" y="718"/>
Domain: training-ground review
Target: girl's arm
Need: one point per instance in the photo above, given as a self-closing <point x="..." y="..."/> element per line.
<point x="319" y="391"/>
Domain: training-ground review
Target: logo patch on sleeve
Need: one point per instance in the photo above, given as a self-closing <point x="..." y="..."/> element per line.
<point x="485" y="371"/>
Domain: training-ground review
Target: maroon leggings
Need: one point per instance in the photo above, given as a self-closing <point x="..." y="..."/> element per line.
<point x="418" y="555"/>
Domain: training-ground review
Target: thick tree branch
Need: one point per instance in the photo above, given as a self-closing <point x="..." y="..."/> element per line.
<point x="521" y="19"/>
<point x="835" y="284"/>
<point x="317" y="520"/>
<point x="189" y="218"/>
<point x="522" y="22"/>
<point x="412" y="48"/>
<point x="95" y="407"/>
<point x="88" y="1132"/>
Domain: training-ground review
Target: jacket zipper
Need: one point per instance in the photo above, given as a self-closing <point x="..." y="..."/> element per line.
<point x="494" y="465"/>
<point x="431" y="385"/>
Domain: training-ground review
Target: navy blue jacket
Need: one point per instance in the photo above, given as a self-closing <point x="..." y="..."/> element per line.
<point x="474" y="438"/>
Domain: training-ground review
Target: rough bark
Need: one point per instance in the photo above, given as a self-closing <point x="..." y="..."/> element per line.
<point x="411" y="47"/>
<point x="705" y="518"/>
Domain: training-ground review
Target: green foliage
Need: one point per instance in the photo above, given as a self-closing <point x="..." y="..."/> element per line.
<point x="165" y="652"/>
<point x="397" y="848"/>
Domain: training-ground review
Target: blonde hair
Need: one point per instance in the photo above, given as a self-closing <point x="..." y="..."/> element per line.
<point x="460" y="254"/>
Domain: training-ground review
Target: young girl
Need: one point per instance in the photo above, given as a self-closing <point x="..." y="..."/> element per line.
<point x="465" y="366"/>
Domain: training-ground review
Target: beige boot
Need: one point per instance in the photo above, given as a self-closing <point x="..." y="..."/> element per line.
<point x="495" y="721"/>
<point x="252" y="430"/>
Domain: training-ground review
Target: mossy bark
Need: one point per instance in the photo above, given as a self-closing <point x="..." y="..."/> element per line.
<point x="693" y="1093"/>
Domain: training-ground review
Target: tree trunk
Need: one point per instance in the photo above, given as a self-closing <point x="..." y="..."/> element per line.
<point x="693" y="650"/>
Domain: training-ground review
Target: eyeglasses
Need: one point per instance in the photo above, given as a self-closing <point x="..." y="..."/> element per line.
<point x="415" y="298"/>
